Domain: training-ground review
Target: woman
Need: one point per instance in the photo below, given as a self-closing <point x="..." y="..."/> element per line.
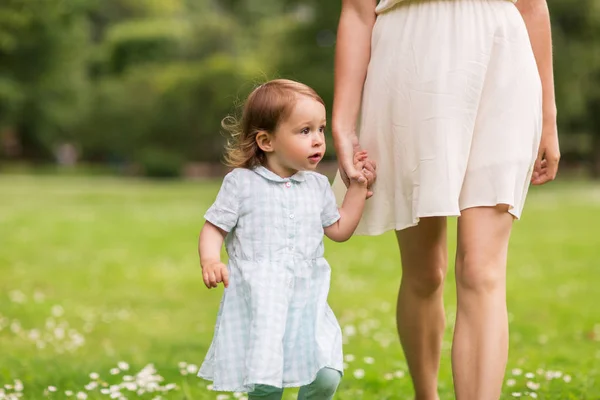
<point x="454" y="101"/>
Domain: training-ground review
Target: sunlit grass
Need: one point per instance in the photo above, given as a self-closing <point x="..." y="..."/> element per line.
<point x="101" y="295"/>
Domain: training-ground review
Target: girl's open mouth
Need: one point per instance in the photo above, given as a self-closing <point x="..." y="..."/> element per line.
<point x="315" y="157"/>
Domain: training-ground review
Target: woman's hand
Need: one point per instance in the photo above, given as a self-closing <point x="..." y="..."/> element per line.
<point x="347" y="153"/>
<point x="546" y="164"/>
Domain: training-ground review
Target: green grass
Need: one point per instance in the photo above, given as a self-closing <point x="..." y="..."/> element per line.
<point x="113" y="262"/>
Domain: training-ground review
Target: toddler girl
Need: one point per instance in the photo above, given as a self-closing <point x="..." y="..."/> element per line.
<point x="274" y="327"/>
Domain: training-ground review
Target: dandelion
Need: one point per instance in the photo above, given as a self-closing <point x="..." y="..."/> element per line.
<point x="517" y="372"/>
<point x="18" y="386"/>
<point x="369" y="360"/>
<point x="38" y="296"/>
<point x="91" y="386"/>
<point x="567" y="378"/>
<point x="511" y="382"/>
<point x="349" y="330"/>
<point x="222" y="397"/>
<point x="105" y="391"/>
<point x="123" y="366"/>
<point x="115" y="371"/>
<point x="388" y="376"/>
<point x="68" y="393"/>
<point x="533" y="385"/>
<point x="192" y="369"/>
<point x="529" y="375"/>
<point x="553" y="374"/>
<point x="182" y="365"/>
<point x="359" y="373"/>
<point x="52" y="388"/>
<point x="57" y="311"/>
<point x="15" y="327"/>
<point x="349" y="357"/>
<point x="399" y="374"/>
<point x="94" y="375"/>
<point x="209" y="387"/>
<point x="17" y="296"/>
<point x="516" y="394"/>
<point x="533" y="395"/>
<point x="81" y="396"/>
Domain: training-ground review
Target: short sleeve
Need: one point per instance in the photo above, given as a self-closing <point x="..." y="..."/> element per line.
<point x="224" y="211"/>
<point x="330" y="213"/>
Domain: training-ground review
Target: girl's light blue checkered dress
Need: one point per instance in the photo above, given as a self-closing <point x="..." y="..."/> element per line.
<point x="274" y="326"/>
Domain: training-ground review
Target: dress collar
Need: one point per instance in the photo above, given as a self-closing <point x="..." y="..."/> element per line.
<point x="272" y="176"/>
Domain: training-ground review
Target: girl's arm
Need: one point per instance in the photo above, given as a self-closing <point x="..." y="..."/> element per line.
<point x="352" y="55"/>
<point x="350" y="213"/>
<point x="353" y="204"/>
<point x="537" y="20"/>
<point x="209" y="249"/>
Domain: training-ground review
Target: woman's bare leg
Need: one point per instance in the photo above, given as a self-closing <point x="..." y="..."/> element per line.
<point x="420" y="312"/>
<point x="480" y="348"/>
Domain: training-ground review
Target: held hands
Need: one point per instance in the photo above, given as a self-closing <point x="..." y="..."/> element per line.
<point x="215" y="272"/>
<point x="366" y="169"/>
<point x="354" y="164"/>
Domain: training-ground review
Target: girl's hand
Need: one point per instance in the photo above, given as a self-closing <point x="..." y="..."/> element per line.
<point x="214" y="273"/>
<point x="346" y="154"/>
<point x="367" y="168"/>
<point x="348" y="151"/>
<point x="546" y="165"/>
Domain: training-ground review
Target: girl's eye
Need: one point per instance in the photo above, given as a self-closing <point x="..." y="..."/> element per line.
<point x="322" y="129"/>
<point x="305" y="131"/>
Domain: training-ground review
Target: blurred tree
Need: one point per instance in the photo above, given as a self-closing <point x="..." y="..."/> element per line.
<point x="42" y="70"/>
<point x="577" y="66"/>
<point x="149" y="81"/>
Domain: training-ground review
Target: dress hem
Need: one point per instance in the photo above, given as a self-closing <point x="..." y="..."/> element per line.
<point x="398" y="227"/>
<point x="245" y="387"/>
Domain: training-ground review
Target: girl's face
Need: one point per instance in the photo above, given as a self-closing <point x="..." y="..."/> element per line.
<point x="299" y="141"/>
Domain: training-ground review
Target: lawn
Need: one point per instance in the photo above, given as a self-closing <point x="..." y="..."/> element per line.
<point x="101" y="293"/>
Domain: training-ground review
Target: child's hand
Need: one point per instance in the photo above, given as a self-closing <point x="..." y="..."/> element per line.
<point x="371" y="173"/>
<point x="215" y="272"/>
<point x="367" y="168"/>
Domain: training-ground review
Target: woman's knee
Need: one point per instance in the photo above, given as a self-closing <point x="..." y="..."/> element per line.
<point x="478" y="273"/>
<point x="426" y="281"/>
<point x="424" y="256"/>
<point x="483" y="236"/>
<point x="327" y="381"/>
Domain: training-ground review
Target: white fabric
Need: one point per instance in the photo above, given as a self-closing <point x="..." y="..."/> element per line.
<point x="451" y="111"/>
<point x="385" y="5"/>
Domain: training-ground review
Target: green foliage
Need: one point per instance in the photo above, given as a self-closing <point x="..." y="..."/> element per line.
<point x="159" y="163"/>
<point x="119" y="75"/>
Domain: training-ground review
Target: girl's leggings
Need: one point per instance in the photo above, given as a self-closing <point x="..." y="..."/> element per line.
<point x="322" y="388"/>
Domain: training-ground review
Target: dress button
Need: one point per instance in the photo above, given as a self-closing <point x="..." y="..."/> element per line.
<point x="291" y="216"/>
<point x="288" y="184"/>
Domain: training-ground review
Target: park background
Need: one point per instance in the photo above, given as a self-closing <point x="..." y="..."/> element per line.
<point x="110" y="152"/>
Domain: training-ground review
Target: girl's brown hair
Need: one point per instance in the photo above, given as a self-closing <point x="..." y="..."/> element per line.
<point x="264" y="109"/>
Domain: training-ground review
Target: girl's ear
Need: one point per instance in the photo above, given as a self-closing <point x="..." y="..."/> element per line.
<point x="264" y="140"/>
